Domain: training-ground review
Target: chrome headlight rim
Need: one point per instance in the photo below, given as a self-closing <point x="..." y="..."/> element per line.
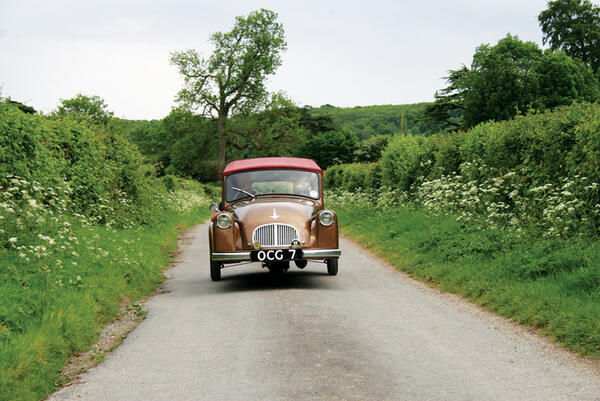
<point x="326" y="218"/>
<point x="223" y="221"/>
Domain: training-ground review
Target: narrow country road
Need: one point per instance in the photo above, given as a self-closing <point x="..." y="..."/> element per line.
<point x="369" y="333"/>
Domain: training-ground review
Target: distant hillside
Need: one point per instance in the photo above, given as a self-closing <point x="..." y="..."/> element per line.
<point x="366" y="121"/>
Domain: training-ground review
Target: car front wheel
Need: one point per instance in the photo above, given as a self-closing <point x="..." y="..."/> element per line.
<point x="332" y="266"/>
<point x="215" y="270"/>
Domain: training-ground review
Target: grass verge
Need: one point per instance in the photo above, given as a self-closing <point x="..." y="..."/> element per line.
<point x="52" y="313"/>
<point x="550" y="284"/>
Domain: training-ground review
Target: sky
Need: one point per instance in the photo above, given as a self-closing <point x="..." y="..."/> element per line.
<point x="344" y="53"/>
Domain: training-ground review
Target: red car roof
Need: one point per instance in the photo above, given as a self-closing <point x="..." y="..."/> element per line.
<point x="271" y="162"/>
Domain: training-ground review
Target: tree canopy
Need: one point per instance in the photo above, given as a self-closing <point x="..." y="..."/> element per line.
<point x="182" y="142"/>
<point x="509" y="78"/>
<point x="85" y="107"/>
<point x="448" y="108"/>
<point x="502" y="80"/>
<point x="329" y="148"/>
<point x="574" y="27"/>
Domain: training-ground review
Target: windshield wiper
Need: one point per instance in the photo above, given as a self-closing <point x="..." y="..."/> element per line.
<point x="245" y="192"/>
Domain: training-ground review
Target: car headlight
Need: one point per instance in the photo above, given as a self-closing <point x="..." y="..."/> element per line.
<point x="224" y="221"/>
<point x="326" y="218"/>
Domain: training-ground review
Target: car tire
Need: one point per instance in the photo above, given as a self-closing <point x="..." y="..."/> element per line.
<point x="215" y="270"/>
<point x="332" y="266"/>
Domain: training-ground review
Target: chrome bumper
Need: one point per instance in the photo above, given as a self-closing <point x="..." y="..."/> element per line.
<point x="245" y="256"/>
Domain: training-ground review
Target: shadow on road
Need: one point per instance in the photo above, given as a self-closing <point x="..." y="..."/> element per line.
<point x="264" y="281"/>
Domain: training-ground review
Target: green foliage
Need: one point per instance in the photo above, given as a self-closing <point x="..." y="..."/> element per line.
<point x="151" y="137"/>
<point x="353" y="177"/>
<point x="23" y="107"/>
<point x="234" y="75"/>
<point x="543" y="146"/>
<point x="447" y="156"/>
<point x="563" y="79"/>
<point x="511" y="78"/>
<point x="540" y="147"/>
<point x="370" y="150"/>
<point x="332" y="177"/>
<point x="187" y="142"/>
<point x="21" y="146"/>
<point x="447" y="110"/>
<point x="406" y="158"/>
<point x="96" y="161"/>
<point x="182" y="143"/>
<point x="501" y="81"/>
<point x="328" y="148"/>
<point x="277" y="130"/>
<point x="367" y="121"/>
<point x="85" y="107"/>
<point x="572" y="26"/>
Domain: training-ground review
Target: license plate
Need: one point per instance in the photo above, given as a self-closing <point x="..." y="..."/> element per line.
<point x="275" y="255"/>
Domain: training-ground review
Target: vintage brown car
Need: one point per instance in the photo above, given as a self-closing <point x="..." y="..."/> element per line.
<point x="272" y="212"/>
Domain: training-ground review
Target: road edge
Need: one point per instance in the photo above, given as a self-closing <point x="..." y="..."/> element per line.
<point x="585" y="364"/>
<point x="130" y="315"/>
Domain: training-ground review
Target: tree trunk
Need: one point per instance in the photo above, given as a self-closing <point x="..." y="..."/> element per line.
<point x="221" y="144"/>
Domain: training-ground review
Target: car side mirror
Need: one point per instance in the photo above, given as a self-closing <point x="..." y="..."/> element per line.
<point x="213" y="207"/>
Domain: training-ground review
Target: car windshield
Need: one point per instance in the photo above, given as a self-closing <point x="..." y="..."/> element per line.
<point x="247" y="184"/>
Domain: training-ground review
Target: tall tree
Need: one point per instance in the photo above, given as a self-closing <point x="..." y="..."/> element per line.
<point x="448" y="107"/>
<point x="232" y="79"/>
<point x="513" y="77"/>
<point x="574" y="27"/>
<point x="502" y="81"/>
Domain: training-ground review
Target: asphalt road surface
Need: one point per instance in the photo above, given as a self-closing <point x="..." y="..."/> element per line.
<point x="368" y="333"/>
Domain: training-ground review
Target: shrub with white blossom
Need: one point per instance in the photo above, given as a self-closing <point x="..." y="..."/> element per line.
<point x="565" y="209"/>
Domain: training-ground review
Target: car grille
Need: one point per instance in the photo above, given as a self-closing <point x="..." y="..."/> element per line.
<point x="275" y="234"/>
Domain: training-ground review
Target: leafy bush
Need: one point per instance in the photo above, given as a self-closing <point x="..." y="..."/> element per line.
<point x="332" y="177"/>
<point x="21" y="146"/>
<point x="447" y="156"/>
<point x="405" y="159"/>
<point x="370" y="149"/>
<point x="374" y="176"/>
<point x="353" y="176"/>
<point x="99" y="165"/>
